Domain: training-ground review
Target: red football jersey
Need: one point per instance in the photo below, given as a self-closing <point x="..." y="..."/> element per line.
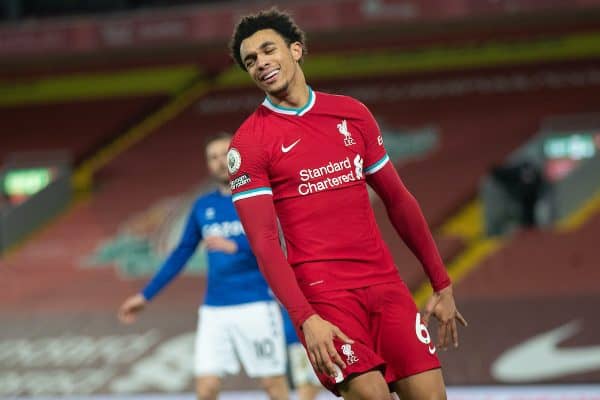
<point x="313" y="161"/>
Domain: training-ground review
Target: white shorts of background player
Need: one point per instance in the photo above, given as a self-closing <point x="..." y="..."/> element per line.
<point x="249" y="333"/>
<point x="301" y="370"/>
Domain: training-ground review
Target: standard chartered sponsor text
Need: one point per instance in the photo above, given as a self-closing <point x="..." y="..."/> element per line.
<point x="319" y="179"/>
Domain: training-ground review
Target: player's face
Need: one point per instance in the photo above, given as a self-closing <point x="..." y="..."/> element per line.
<point x="216" y="159"/>
<point x="270" y="61"/>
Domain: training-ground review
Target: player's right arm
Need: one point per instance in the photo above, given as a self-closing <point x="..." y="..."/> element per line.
<point x="166" y="273"/>
<point x="253" y="200"/>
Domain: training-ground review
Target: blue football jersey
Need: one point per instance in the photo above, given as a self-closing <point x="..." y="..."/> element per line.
<point x="232" y="278"/>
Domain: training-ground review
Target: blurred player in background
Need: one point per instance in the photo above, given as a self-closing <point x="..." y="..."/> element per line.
<point x="305" y="157"/>
<point x="239" y="320"/>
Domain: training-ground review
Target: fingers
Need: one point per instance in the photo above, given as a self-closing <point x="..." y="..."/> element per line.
<point x="429" y="308"/>
<point x="211" y="242"/>
<point x="125" y="315"/>
<point x="442" y="330"/>
<point x="218" y="243"/>
<point x="320" y="362"/>
<point x="313" y="360"/>
<point x="322" y="357"/>
<point x="454" y="331"/>
<point x="448" y="331"/>
<point x="337" y="331"/>
<point x="460" y="319"/>
<point x="334" y="357"/>
<point x="319" y="335"/>
<point x="448" y="337"/>
<point x="130" y="308"/>
<point x="330" y="359"/>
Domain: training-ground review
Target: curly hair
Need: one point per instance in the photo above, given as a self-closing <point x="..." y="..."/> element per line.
<point x="279" y="21"/>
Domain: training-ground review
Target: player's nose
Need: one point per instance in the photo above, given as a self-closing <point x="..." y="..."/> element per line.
<point x="262" y="62"/>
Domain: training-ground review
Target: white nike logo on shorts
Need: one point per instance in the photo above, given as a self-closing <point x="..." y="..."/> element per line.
<point x="291" y="146"/>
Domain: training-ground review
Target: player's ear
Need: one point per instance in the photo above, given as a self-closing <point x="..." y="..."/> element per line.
<point x="297" y="50"/>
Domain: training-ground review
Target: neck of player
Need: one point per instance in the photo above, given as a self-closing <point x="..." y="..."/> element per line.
<point x="224" y="189"/>
<point x="295" y="94"/>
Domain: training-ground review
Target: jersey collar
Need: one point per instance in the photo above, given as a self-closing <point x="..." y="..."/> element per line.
<point x="292" y="111"/>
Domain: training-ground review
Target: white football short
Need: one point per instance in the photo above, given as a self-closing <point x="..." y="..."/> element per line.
<point x="301" y="370"/>
<point x="250" y="333"/>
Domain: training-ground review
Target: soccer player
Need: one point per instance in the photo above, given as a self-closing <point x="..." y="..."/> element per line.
<point x="239" y="320"/>
<point x="304" y="158"/>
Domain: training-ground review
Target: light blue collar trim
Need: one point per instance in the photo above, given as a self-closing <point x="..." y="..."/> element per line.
<point x="292" y="111"/>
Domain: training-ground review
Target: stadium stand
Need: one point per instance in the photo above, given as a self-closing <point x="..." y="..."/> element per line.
<point x="59" y="290"/>
<point x="544" y="257"/>
<point x="79" y="127"/>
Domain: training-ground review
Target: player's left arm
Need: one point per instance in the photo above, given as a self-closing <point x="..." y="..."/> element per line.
<point x="170" y="268"/>
<point x="408" y="220"/>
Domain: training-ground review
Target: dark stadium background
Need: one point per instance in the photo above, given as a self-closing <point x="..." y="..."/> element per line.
<point x="104" y="106"/>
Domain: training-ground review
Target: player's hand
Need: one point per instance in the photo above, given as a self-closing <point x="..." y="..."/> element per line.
<point x="219" y="243"/>
<point x="442" y="306"/>
<point x="131" y="307"/>
<point x="319" y="335"/>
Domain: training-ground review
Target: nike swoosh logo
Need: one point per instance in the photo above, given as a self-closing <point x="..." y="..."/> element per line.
<point x="291" y="146"/>
<point x="539" y="358"/>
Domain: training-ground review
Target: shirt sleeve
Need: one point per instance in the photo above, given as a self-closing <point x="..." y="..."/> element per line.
<point x="260" y="223"/>
<point x="177" y="259"/>
<point x="248" y="165"/>
<point x="408" y="220"/>
<point x="375" y="154"/>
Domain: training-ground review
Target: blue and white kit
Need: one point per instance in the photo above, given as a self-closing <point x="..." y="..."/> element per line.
<point x="239" y="319"/>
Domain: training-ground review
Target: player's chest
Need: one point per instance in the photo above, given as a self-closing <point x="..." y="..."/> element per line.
<point x="316" y="155"/>
<point x="219" y="220"/>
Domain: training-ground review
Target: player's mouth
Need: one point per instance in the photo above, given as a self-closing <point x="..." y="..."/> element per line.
<point x="270" y="76"/>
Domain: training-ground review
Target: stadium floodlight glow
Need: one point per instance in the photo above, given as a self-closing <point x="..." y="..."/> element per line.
<point x="26" y="182"/>
<point x="577" y="146"/>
